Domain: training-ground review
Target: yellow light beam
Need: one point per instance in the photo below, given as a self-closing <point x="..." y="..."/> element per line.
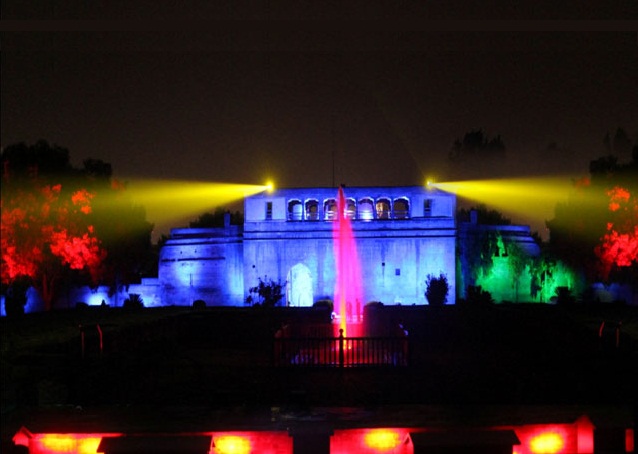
<point x="532" y="198"/>
<point x="167" y="200"/>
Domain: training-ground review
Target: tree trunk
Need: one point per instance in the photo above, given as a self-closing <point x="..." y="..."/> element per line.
<point x="47" y="292"/>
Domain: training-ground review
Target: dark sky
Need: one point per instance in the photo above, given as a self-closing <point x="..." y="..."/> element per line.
<point x="215" y="104"/>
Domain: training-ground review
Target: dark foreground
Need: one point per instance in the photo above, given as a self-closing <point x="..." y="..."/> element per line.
<point x="176" y="369"/>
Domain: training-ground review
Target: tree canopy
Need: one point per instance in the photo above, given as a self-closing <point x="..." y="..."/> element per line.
<point x="596" y="230"/>
<point x="62" y="225"/>
<point x="484" y="215"/>
<point x="216" y="219"/>
<point x="477" y="144"/>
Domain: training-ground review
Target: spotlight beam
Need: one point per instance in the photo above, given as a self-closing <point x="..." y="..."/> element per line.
<point x="167" y="200"/>
<point x="531" y="198"/>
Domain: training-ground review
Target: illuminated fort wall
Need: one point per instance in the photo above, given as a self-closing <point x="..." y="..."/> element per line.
<point x="402" y="235"/>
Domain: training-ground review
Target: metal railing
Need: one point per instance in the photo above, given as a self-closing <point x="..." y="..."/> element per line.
<point x="341" y="351"/>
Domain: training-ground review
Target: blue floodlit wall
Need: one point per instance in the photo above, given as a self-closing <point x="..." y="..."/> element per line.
<point x="202" y="264"/>
<point x="402" y="234"/>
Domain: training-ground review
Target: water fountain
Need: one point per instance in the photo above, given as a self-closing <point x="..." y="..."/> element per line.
<point x="347" y="345"/>
<point x="348" y="297"/>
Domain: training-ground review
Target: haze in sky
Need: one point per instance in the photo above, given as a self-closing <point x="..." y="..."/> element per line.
<point x="320" y="108"/>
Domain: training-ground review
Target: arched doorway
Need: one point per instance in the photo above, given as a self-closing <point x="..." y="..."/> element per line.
<point x="299" y="286"/>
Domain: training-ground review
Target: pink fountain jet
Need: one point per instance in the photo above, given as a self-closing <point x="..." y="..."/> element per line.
<point x="348" y="298"/>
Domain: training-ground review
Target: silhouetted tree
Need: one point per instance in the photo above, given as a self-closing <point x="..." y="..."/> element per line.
<point x="620" y="144"/>
<point x="477" y="144"/>
<point x="485" y="216"/>
<point x="216" y="219"/>
<point x="98" y="169"/>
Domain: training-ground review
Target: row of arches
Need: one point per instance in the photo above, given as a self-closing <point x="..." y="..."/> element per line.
<point x="364" y="209"/>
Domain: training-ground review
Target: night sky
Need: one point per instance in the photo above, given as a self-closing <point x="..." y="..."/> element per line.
<point x="380" y="106"/>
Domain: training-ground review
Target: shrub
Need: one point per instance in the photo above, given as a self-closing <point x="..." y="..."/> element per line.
<point x="199" y="304"/>
<point x="476" y="296"/>
<point x="324" y="304"/>
<point x="16" y="296"/>
<point x="267" y="293"/>
<point x="564" y="296"/>
<point x="436" y="289"/>
<point x="134" y="301"/>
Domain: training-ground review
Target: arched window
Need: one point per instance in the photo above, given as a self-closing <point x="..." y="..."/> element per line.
<point x="312" y="210"/>
<point x="351" y="209"/>
<point x="330" y="209"/>
<point x="401" y="208"/>
<point x="295" y="210"/>
<point x="365" y="209"/>
<point x="383" y="209"/>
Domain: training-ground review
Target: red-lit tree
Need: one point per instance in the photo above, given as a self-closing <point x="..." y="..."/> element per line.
<point x="44" y="230"/>
<point x="59" y="226"/>
<point x="597" y="229"/>
<point x="618" y="252"/>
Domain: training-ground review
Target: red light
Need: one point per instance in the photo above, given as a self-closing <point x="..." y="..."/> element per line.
<point x="382" y="439"/>
<point x="231" y="444"/>
<point x="547" y="443"/>
<point x="67" y="443"/>
<point x="371" y="441"/>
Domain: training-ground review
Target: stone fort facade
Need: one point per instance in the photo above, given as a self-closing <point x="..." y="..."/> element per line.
<point x="402" y="234"/>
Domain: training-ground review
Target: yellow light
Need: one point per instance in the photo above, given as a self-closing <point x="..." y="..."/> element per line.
<point x="270" y="186"/>
<point x="231" y="444"/>
<point x="70" y="443"/>
<point x="547" y="443"/>
<point x="533" y="198"/>
<point x="382" y="439"/>
<point x="58" y="443"/>
<point x="167" y="201"/>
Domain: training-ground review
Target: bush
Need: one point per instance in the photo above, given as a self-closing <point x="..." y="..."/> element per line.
<point x="476" y="296"/>
<point x="199" y="304"/>
<point x="436" y="289"/>
<point x="564" y="296"/>
<point x="324" y="304"/>
<point x="16" y="296"/>
<point x="134" y="301"/>
<point x="267" y="293"/>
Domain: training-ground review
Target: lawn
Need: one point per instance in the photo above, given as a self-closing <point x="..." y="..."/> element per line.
<point x="220" y="358"/>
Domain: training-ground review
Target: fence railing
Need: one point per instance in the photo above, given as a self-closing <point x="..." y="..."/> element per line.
<point x="341" y="351"/>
